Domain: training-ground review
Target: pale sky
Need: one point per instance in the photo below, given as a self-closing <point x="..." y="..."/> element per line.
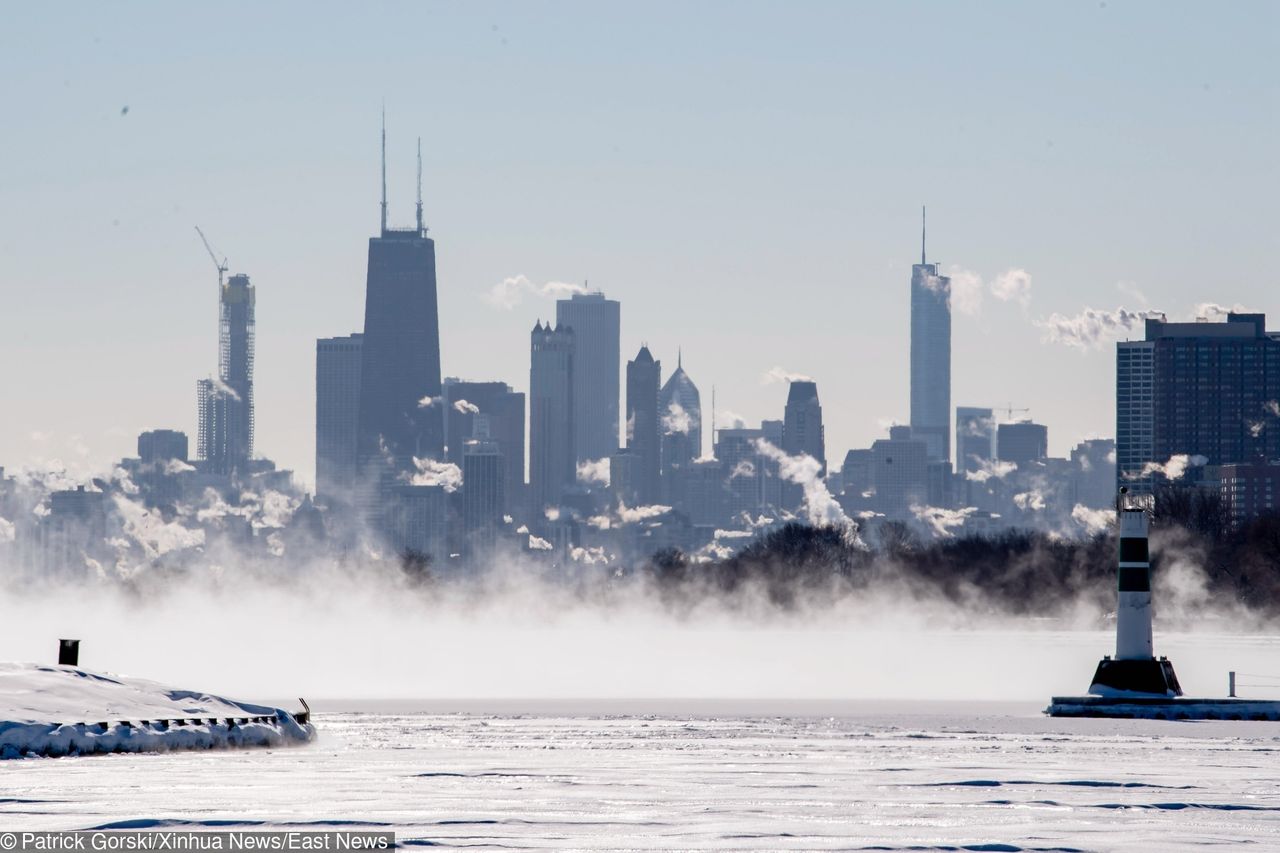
<point x="745" y="178"/>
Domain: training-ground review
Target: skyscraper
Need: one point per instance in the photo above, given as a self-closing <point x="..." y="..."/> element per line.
<point x="975" y="438"/>
<point x="225" y="436"/>
<point x="1200" y="389"/>
<point x="399" y="415"/>
<point x="899" y="472"/>
<point x="644" y="376"/>
<point x="1022" y="443"/>
<point x="484" y="475"/>
<point x="802" y="430"/>
<point x="596" y="326"/>
<point x="552" y="464"/>
<point x="931" y="356"/>
<point x="680" y="413"/>
<point x="802" y="434"/>
<point x="502" y="410"/>
<point x="337" y="406"/>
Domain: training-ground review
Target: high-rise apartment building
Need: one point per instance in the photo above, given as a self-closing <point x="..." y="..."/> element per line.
<point x="1199" y="389"/>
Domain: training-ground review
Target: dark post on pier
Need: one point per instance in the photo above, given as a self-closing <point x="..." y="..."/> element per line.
<point x="68" y="653"/>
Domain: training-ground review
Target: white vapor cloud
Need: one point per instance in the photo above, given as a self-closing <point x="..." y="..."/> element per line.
<point x="1214" y="312"/>
<point x="594" y="471"/>
<point x="1093" y="520"/>
<point x="805" y="471"/>
<point x="1091" y="328"/>
<point x="1175" y="468"/>
<point x="427" y="402"/>
<point x="433" y="473"/>
<point x="1013" y="286"/>
<point x="676" y="420"/>
<point x="778" y="374"/>
<point x="1030" y="500"/>
<point x="466" y="407"/>
<point x="966" y="290"/>
<point x="989" y="468"/>
<point x="942" y="521"/>
<point x="630" y="515"/>
<point x="511" y="291"/>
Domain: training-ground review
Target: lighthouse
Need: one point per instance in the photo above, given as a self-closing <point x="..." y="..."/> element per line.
<point x="1134" y="670"/>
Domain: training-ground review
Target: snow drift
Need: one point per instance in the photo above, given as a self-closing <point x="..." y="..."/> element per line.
<point x="64" y="710"/>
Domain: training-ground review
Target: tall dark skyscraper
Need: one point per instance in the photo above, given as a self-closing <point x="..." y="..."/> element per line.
<point x="644" y="378"/>
<point x="337" y="405"/>
<point x="931" y="357"/>
<point x="1200" y="389"/>
<point x="225" y="437"/>
<point x="552" y="464"/>
<point x="680" y="412"/>
<point x="400" y="416"/>
<point x="596" y="324"/>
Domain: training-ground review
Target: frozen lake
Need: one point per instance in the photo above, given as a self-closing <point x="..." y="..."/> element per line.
<point x="713" y="775"/>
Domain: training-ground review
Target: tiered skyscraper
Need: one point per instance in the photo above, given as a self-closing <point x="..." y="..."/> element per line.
<point x="931" y="356"/>
<point x="225" y="438"/>
<point x="596" y="326"/>
<point x="400" y="416"/>
<point x="680" y="410"/>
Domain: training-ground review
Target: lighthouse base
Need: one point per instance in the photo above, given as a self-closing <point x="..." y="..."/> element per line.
<point x="1149" y="677"/>
<point x="1162" y="708"/>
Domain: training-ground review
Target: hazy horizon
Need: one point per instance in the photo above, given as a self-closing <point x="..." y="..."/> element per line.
<point x="745" y="178"/>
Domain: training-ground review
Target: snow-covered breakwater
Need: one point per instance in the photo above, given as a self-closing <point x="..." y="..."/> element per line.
<point x="65" y="710"/>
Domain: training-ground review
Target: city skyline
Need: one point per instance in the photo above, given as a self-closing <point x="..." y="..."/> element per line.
<point x="840" y="261"/>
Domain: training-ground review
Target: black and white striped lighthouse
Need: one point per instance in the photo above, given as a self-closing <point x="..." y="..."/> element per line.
<point x="1134" y="669"/>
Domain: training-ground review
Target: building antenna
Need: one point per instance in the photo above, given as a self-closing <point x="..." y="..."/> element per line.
<point x="384" y="169"/>
<point x="713" y="419"/>
<point x="420" y="228"/>
<point x="923" y="223"/>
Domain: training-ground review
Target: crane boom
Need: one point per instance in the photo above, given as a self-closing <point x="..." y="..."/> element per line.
<point x="221" y="265"/>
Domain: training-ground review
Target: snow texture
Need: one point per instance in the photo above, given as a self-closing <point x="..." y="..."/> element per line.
<point x="64" y="710"/>
<point x="699" y="775"/>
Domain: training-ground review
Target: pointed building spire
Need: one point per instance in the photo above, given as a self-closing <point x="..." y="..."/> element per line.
<point x="420" y="228"/>
<point x="679" y="358"/>
<point x="923" y="222"/>
<point x="384" y="169"/>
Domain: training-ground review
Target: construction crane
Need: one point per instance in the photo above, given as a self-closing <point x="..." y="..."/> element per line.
<point x="221" y="265"/>
<point x="1009" y="410"/>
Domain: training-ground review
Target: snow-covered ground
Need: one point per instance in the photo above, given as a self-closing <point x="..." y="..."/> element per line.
<point x="61" y="710"/>
<point x="702" y="776"/>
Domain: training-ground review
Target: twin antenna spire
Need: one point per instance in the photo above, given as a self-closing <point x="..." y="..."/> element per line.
<point x="421" y="228"/>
